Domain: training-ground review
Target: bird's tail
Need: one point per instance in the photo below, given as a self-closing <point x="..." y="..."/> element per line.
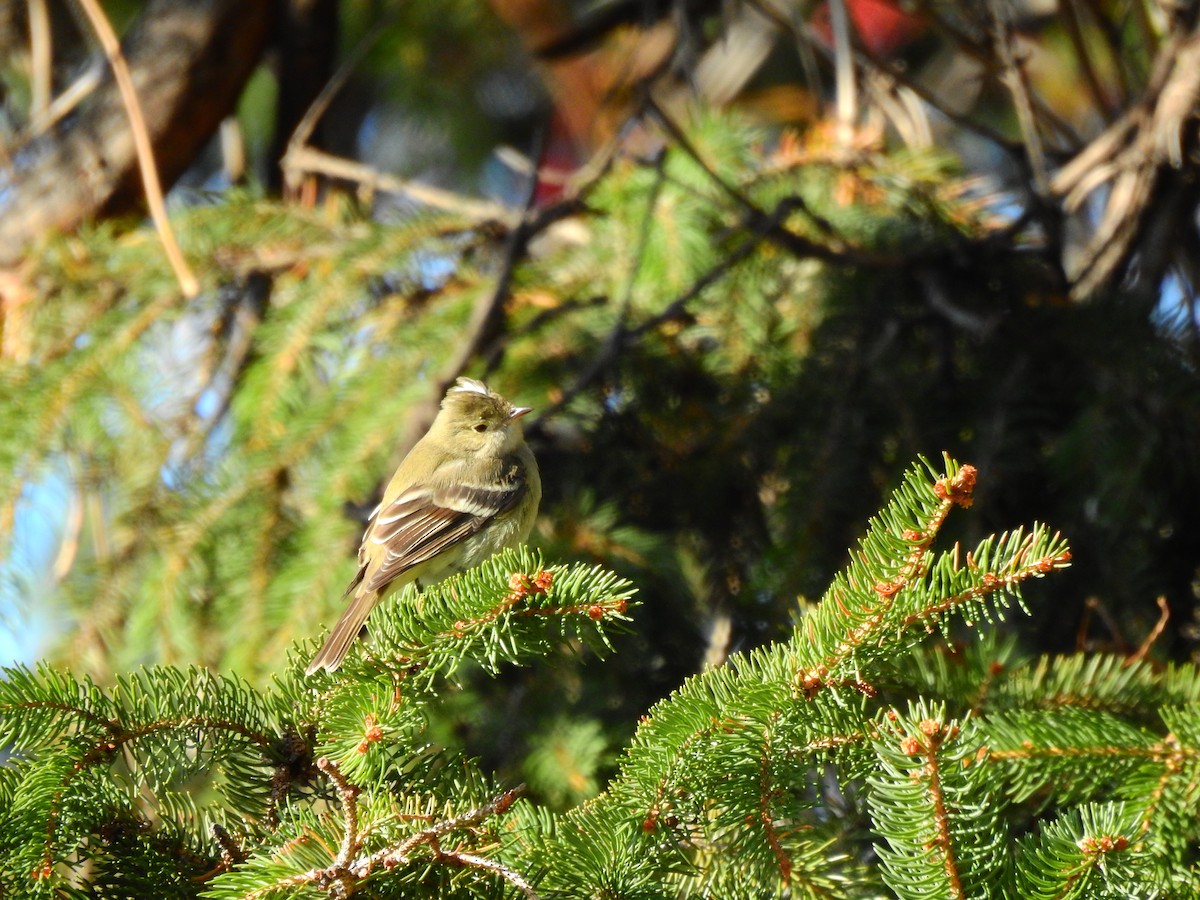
<point x="337" y="645"/>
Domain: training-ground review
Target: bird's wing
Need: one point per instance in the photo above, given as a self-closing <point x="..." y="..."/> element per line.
<point x="425" y="520"/>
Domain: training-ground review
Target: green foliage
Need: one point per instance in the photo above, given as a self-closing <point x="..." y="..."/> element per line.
<point x="1087" y="852"/>
<point x="972" y="773"/>
<point x="733" y="347"/>
<point x="140" y="778"/>
<point x="934" y="805"/>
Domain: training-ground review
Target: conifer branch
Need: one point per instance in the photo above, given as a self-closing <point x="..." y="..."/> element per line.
<point x="474" y="861"/>
<point x="348" y="795"/>
<point x="231" y="853"/>
<point x="766" y="789"/>
<point x="866" y="624"/>
<point x="348" y="869"/>
<point x="118" y="740"/>
<point x="915" y="746"/>
<point x="993" y="582"/>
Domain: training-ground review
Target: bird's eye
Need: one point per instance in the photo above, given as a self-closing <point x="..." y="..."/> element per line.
<point x="481" y="427"/>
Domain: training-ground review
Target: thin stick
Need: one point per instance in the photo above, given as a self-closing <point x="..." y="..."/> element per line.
<point x="304" y="159"/>
<point x="1164" y="616"/>
<point x="304" y="128"/>
<point x="42" y="53"/>
<point x="348" y="794"/>
<point x="844" y="83"/>
<point x="141" y="142"/>
<point x="1015" y="80"/>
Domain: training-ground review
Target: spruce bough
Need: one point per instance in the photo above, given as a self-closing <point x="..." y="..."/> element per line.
<point x="866" y="756"/>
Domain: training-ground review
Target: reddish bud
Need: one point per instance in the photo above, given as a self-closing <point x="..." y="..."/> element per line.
<point x="810" y="684"/>
<point x="930" y="727"/>
<point x="595" y="612"/>
<point x="910" y="746"/>
<point x="542" y="581"/>
<point x="866" y="688"/>
<point x="958" y="489"/>
<point x="372" y="732"/>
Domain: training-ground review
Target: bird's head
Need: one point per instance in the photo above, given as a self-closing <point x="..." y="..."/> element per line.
<point x="478" y="420"/>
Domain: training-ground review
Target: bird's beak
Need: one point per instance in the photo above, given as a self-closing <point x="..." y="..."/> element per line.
<point x="518" y="411"/>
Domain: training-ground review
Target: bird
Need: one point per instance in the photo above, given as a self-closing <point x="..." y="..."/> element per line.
<point x="468" y="489"/>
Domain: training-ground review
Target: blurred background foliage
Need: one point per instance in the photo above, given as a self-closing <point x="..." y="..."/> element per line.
<point x="773" y="251"/>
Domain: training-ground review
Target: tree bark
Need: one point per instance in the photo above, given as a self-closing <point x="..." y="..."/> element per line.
<point x="190" y="60"/>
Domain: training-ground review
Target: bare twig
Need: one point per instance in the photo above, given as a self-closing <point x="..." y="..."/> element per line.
<point x="1074" y="28"/>
<point x="41" y="51"/>
<point x="1164" y="615"/>
<point x="62" y="105"/>
<point x="617" y="337"/>
<point x="844" y="82"/>
<point x="1015" y="80"/>
<point x="304" y="128"/>
<point x="402" y="852"/>
<point x="674" y="310"/>
<point x="231" y="853"/>
<point x="1135" y="154"/>
<point x="487" y="317"/>
<point x="347" y="871"/>
<point x="145" y="151"/>
<point x="470" y="860"/>
<point x="486" y="320"/>
<point x="837" y="249"/>
<point x="348" y="795"/>
<point x="301" y="160"/>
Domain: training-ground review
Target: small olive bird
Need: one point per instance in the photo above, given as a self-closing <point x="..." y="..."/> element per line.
<point x="467" y="490"/>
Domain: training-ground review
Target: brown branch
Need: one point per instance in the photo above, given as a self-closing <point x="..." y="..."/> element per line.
<point x="1136" y="154"/>
<point x="187" y="63"/>
<point x="41" y="51"/>
<point x="765" y="792"/>
<point x="1015" y="80"/>
<point x="990" y="585"/>
<point x="142" y="146"/>
<point x="1157" y="752"/>
<point x="303" y="160"/>
<point x="941" y="815"/>
<point x="1164" y="615"/>
<point x="470" y="860"/>
<point x="348" y="795"/>
<point x="343" y="876"/>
